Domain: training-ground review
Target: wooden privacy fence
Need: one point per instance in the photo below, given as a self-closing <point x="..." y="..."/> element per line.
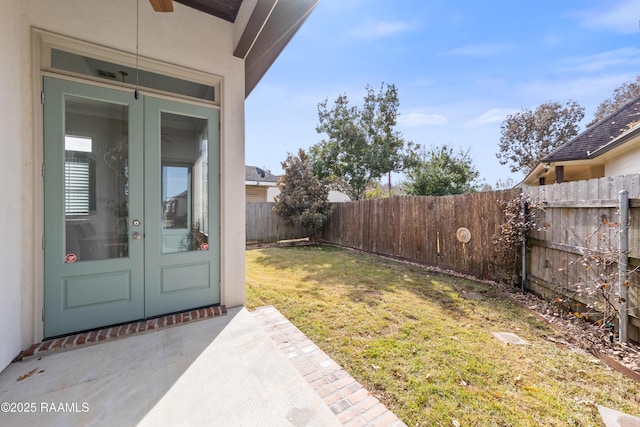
<point x="264" y="225"/>
<point x="425" y="229"/>
<point x="580" y="234"/>
<point x="572" y="258"/>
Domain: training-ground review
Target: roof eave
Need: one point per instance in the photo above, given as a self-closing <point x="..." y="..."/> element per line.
<point x="615" y="143"/>
<point x="271" y="26"/>
<point x="534" y="173"/>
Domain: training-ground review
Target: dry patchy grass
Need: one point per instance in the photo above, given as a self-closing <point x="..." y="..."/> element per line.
<point x="419" y="343"/>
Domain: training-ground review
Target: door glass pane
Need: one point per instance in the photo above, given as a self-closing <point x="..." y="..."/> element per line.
<point x="185" y="171"/>
<point x="95" y="179"/>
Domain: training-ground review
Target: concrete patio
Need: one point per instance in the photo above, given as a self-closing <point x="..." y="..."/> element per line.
<point x="242" y="369"/>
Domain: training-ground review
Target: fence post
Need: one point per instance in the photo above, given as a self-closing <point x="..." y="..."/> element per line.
<point x="623" y="261"/>
<point x="523" y="220"/>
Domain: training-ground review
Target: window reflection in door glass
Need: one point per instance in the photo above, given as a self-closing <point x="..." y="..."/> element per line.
<point x="96" y="179"/>
<point x="175" y="197"/>
<point x="184" y="165"/>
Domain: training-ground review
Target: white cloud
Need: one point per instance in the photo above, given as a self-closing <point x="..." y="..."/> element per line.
<point x="623" y="57"/>
<point x="494" y="115"/>
<point x="374" y="29"/>
<point x="414" y="120"/>
<point x="481" y="49"/>
<point x="621" y="18"/>
<point x="587" y="91"/>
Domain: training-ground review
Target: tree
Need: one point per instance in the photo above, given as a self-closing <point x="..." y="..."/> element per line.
<point x="505" y="184"/>
<point x="303" y="198"/>
<point x="375" y="190"/>
<point x="528" y="136"/>
<point x="623" y="94"/>
<point x="362" y="144"/>
<point x="439" y="172"/>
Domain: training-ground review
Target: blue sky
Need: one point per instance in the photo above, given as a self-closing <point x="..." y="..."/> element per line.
<point x="460" y="67"/>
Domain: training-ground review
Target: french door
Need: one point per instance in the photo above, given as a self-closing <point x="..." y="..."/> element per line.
<point x="131" y="206"/>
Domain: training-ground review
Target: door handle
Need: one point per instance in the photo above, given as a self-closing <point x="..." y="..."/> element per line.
<point x="136" y="235"/>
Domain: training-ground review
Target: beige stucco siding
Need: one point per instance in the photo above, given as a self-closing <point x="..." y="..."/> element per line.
<point x="14" y="220"/>
<point x="186" y="38"/>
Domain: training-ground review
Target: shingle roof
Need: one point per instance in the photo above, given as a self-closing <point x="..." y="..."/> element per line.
<point x="251" y="174"/>
<point x="598" y="134"/>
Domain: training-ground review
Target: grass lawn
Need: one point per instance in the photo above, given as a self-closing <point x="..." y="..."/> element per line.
<point x="412" y="338"/>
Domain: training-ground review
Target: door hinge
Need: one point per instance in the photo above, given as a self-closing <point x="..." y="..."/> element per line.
<point x="42" y="97"/>
<point x="43" y="314"/>
<point x="43" y="170"/>
<point x="42" y="242"/>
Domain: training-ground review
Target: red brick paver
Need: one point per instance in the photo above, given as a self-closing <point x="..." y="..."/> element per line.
<point x="352" y="403"/>
<point x="110" y="333"/>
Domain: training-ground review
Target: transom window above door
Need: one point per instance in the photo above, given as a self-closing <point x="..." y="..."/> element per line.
<point x="87" y="65"/>
<point x="63" y="55"/>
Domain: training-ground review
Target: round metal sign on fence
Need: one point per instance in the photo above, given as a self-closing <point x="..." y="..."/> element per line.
<point x="463" y="234"/>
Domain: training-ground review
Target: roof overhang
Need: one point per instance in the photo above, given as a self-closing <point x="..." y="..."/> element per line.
<point x="223" y="9"/>
<point x="547" y="170"/>
<point x="261" y="183"/>
<point x="265" y="27"/>
<point x="613" y="145"/>
<point x="270" y="27"/>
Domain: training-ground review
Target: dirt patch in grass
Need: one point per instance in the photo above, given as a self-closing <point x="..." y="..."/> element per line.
<point x="422" y="343"/>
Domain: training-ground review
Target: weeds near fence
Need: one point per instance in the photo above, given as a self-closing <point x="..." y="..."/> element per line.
<point x="601" y="266"/>
<point x="521" y="214"/>
<point x="597" y="290"/>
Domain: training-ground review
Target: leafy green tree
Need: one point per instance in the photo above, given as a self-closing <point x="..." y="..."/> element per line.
<point x="376" y="190"/>
<point x="623" y="94"/>
<point x="528" y="136"/>
<point x="440" y="172"/>
<point x="362" y="144"/>
<point x="303" y="198"/>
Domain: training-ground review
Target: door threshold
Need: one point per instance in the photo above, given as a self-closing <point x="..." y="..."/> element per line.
<point x="79" y="339"/>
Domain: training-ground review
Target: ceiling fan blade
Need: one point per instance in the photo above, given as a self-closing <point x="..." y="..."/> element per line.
<point x="162" y="5"/>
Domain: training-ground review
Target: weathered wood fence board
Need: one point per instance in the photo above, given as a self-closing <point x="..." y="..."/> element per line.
<point x="264" y="225"/>
<point x="578" y="217"/>
<point x="581" y="218"/>
<point x="423" y="229"/>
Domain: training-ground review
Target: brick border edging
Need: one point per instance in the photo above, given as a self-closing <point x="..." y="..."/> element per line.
<point x="119" y="331"/>
<point x="351" y="403"/>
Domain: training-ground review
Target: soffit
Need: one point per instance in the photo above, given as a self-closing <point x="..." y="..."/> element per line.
<point x="271" y="26"/>
<point x="223" y="9"/>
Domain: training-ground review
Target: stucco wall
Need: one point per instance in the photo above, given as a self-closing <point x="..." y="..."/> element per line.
<point x="13" y="131"/>
<point x="186" y="38"/>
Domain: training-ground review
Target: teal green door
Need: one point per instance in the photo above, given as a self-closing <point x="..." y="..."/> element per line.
<point x="131" y="206"/>
<point x="181" y="205"/>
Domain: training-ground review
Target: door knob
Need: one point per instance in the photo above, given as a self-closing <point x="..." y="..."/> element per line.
<point x="136" y="235"/>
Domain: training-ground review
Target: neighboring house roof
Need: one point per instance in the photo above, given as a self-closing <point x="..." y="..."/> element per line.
<point x="584" y="156"/>
<point x="251" y="175"/>
<point x="597" y="136"/>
